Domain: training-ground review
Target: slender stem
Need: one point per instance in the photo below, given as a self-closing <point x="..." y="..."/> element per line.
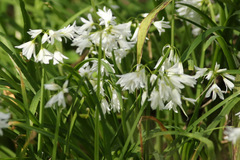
<point x="173" y="23"/>
<point x="96" y="136"/>
<point x="55" y="141"/>
<point x="41" y="109"/>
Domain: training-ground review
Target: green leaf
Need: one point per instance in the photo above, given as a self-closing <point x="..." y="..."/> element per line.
<point x="26" y="21"/>
<point x="144" y="27"/>
<point x="196" y="135"/>
<point x="197" y="41"/>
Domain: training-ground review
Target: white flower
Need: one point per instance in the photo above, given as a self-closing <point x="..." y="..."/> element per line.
<point x="58" y="57"/>
<point x="133" y="80"/>
<point x="232" y="134"/>
<point x="161" y="25"/>
<point x="229" y="85"/>
<point x="156" y="101"/>
<point x="120" y="54"/>
<point x="105" y="106"/>
<point x="82" y="41"/>
<point x="135" y="34"/>
<point x="215" y="90"/>
<point x="34" y="32"/>
<point x="59" y="97"/>
<point x="44" y="56"/>
<point x="188" y="12"/>
<point x="88" y="24"/>
<point x="200" y="72"/>
<point x="28" y="49"/>
<point x="115" y="103"/>
<point x="106" y="17"/>
<point x="45" y="38"/>
<point x="122" y="30"/>
<point x="3" y="121"/>
<point x="66" y="32"/>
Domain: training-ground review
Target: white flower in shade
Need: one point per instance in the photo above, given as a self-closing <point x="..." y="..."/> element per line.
<point x="3" y="121"/>
<point x="88" y="24"/>
<point x="133" y="80"/>
<point x="115" y="103"/>
<point x="44" y="56"/>
<point x="171" y="105"/>
<point x="106" y="17"/>
<point x="34" y="32"/>
<point x="215" y="90"/>
<point x="200" y="72"/>
<point x="105" y="106"/>
<point x="229" y="85"/>
<point x="120" y="54"/>
<point x="59" y="97"/>
<point x="156" y="101"/>
<point x="238" y="114"/>
<point x="232" y="134"/>
<point x="28" y="49"/>
<point x="187" y="12"/>
<point x="58" y="57"/>
<point x="161" y="25"/>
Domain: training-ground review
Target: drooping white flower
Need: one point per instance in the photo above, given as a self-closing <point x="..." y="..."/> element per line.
<point x="133" y="80"/>
<point x="229" y="85"/>
<point x="187" y="12"/>
<point x="215" y="90"/>
<point x="156" y="101"/>
<point x="59" y="97"/>
<point x="66" y="32"/>
<point x="45" y="38"/>
<point x="3" y="121"/>
<point x="115" y="103"/>
<point x="161" y="25"/>
<point x="28" y="49"/>
<point x="106" y="17"/>
<point x="34" y="32"/>
<point x="105" y="106"/>
<point x="44" y="56"/>
<point x="200" y="72"/>
<point x="58" y="57"/>
<point x="232" y="134"/>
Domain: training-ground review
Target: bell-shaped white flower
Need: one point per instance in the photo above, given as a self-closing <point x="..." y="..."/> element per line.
<point x="133" y="80"/>
<point x="59" y="97"/>
<point x="215" y="90"/>
<point x="34" y="32"/>
<point x="44" y="56"/>
<point x="88" y="24"/>
<point x="28" y="49"/>
<point x="161" y="25"/>
<point x="105" y="106"/>
<point x="58" y="57"/>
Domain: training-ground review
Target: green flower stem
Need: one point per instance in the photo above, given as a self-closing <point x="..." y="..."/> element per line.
<point x="96" y="136"/>
<point x="55" y="141"/>
<point x="41" y="109"/>
<point x="173" y="23"/>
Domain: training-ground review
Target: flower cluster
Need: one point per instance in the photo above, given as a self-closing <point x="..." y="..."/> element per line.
<point x="115" y="38"/>
<point x="213" y="75"/>
<point x="44" y="55"/>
